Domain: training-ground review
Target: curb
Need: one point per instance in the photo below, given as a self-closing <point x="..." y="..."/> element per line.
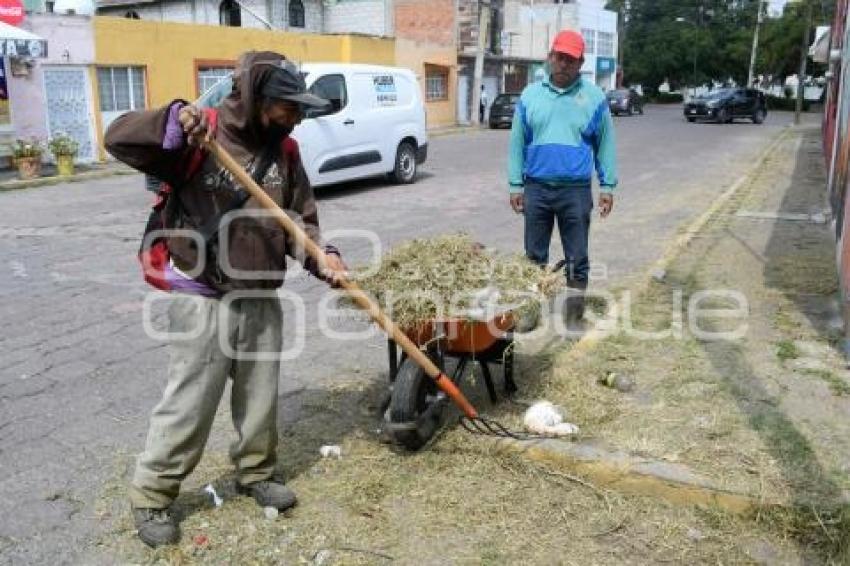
<point x="626" y="473"/>
<point x="697" y="225"/>
<point x="15" y="185"/>
<point x="587" y="342"/>
<point x="453" y="131"/>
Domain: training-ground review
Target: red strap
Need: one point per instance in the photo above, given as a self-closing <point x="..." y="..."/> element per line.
<point x="292" y="153"/>
<point x="198" y="156"/>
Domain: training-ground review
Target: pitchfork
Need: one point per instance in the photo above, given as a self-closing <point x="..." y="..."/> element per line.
<point x="471" y="420"/>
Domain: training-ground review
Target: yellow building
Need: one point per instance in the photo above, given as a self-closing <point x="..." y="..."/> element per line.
<point x="144" y="64"/>
<point x="436" y="70"/>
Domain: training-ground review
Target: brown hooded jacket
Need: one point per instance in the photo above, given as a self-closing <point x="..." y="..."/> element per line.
<point x="255" y="254"/>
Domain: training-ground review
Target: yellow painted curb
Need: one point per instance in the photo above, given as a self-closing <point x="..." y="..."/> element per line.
<point x="587" y="342"/>
<point x="634" y="476"/>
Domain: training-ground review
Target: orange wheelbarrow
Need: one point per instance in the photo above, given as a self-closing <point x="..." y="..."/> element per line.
<point x="416" y="404"/>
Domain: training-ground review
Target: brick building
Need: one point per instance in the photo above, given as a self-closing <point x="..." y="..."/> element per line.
<point x="425" y="43"/>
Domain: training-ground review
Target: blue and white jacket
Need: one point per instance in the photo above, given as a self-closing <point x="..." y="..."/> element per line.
<point x="559" y="135"/>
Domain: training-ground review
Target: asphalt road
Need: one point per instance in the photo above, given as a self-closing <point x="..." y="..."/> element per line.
<point x="79" y="375"/>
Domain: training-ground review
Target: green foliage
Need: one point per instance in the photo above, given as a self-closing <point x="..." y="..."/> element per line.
<point x="31" y="147"/>
<point x="694" y="41"/>
<point x="787" y="350"/>
<point x="667" y="98"/>
<point x="63" y="144"/>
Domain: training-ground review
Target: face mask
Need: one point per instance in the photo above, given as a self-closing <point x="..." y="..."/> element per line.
<point x="275" y="133"/>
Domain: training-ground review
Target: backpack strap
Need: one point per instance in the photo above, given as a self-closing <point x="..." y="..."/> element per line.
<point x="196" y="160"/>
<point x="293" y="155"/>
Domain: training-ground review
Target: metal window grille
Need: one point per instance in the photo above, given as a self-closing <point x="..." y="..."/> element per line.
<point x="436" y="85"/>
<point x="121" y="88"/>
<point x="589" y="36"/>
<point x="296" y="14"/>
<point x="210" y="76"/>
<point x="606" y="44"/>
<point x="229" y="14"/>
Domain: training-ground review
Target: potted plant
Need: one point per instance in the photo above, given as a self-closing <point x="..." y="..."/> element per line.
<point x="26" y="155"/>
<point x="64" y="148"/>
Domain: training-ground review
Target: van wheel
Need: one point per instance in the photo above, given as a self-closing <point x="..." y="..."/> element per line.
<point x="405" y="164"/>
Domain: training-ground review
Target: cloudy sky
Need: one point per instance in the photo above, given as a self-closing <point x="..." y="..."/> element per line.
<point x="776" y="5"/>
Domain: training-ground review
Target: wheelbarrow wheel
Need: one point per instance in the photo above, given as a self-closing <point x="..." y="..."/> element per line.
<point x="415" y="408"/>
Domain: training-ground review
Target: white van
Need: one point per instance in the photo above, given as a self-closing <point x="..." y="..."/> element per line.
<point x="375" y="125"/>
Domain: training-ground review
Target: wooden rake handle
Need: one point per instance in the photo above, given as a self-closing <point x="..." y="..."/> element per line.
<point x="360" y="298"/>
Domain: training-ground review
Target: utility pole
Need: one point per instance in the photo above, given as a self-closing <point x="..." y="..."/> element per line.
<point x="621" y="40"/>
<point x="531" y="31"/>
<point x="483" y="28"/>
<point x="759" y="19"/>
<point x="804" y="53"/>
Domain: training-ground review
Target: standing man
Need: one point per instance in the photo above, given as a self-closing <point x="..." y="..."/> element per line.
<point x="482" y="105"/>
<point x="238" y="339"/>
<point x="561" y="129"/>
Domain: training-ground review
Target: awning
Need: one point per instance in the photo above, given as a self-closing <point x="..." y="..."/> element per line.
<point x="17" y="42"/>
<point x="114" y="3"/>
<point x="819" y="50"/>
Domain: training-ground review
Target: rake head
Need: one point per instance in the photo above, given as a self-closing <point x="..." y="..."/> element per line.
<point x="489" y="427"/>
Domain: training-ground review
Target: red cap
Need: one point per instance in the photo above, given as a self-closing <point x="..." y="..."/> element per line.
<point x="569" y="42"/>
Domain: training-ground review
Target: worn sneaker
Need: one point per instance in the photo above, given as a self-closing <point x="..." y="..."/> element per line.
<point x="156" y="527"/>
<point x="269" y="493"/>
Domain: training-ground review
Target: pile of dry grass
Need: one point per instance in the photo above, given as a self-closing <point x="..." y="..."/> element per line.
<point x="453" y="277"/>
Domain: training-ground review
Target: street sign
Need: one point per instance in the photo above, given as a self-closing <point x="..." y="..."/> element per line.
<point x="11" y="12"/>
<point x="604" y="65"/>
<point x="36" y="48"/>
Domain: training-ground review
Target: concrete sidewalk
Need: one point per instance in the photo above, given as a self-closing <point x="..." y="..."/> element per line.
<point x="726" y="452"/>
<point x="9" y="180"/>
<point x="742" y="424"/>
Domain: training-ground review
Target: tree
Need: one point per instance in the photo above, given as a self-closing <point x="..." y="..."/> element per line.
<point x="696" y="41"/>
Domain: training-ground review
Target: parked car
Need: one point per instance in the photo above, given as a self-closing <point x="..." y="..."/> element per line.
<point x="624" y="101"/>
<point x="502" y="110"/>
<point x="375" y="124"/>
<point x="726" y="104"/>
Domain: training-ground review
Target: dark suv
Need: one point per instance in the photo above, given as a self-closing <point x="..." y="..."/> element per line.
<point x="502" y="110"/>
<point x="726" y="104"/>
<point x="624" y="101"/>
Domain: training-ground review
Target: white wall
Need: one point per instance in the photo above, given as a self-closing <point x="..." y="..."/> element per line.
<point x="70" y="42"/>
<point x="592" y="15"/>
<point x="359" y="16"/>
<point x="191" y="11"/>
<point x="532" y="29"/>
<point x="370" y="17"/>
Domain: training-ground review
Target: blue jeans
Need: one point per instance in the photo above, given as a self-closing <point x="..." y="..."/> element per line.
<point x="571" y="206"/>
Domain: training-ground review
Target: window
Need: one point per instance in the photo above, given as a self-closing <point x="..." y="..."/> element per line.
<point x="296" y="13"/>
<point x="436" y="83"/>
<point x="121" y="88"/>
<point x="211" y="76"/>
<point x="132" y="15"/>
<point x="589" y="36"/>
<point x="331" y="88"/>
<point x="229" y="14"/>
<point x="606" y="44"/>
